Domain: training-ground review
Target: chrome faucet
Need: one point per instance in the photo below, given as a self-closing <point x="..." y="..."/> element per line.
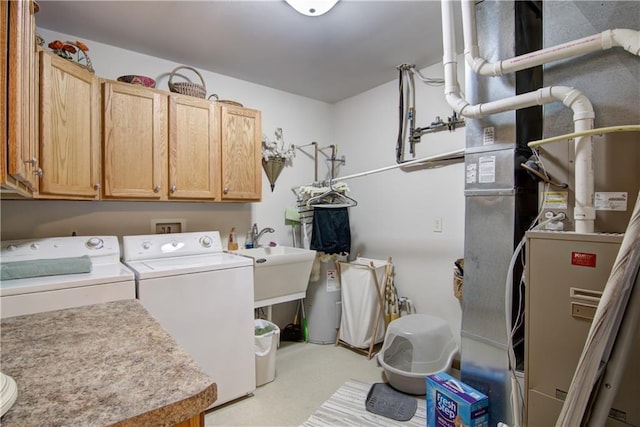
<point x="257" y="236"/>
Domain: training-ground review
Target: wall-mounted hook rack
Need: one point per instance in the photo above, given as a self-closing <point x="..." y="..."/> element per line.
<point x="329" y="158"/>
<point x="335" y="162"/>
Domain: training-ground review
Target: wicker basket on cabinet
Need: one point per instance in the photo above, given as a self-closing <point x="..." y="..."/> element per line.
<point x="188" y="88"/>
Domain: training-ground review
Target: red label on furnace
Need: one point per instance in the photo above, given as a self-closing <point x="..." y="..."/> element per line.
<point x="583" y="259"/>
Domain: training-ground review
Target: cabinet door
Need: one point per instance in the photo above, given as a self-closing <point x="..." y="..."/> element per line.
<point x="241" y="153"/>
<point x="20" y="164"/>
<point x="194" y="149"/>
<point x="4" y="91"/>
<point x="134" y="145"/>
<point x="69" y="130"/>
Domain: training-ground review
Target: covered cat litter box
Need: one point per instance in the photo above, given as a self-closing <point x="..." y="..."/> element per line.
<point x="415" y="346"/>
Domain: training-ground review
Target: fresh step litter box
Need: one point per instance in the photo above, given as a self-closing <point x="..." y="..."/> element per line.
<point x="415" y="346"/>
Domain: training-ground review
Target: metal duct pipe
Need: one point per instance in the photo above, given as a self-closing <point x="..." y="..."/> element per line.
<point x="500" y="200"/>
<point x="583" y="115"/>
<point x="584" y="211"/>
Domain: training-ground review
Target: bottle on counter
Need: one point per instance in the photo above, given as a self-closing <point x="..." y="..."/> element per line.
<point x="232" y="245"/>
<point x="248" y="241"/>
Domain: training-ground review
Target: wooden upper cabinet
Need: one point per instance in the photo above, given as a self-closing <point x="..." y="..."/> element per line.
<point x="65" y="141"/>
<point x="69" y="130"/>
<point x="19" y="79"/>
<point x="134" y="142"/>
<point x="241" y="140"/>
<point x="194" y="149"/>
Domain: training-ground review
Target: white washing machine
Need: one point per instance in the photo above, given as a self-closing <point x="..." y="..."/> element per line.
<point x="203" y="297"/>
<point x="65" y="282"/>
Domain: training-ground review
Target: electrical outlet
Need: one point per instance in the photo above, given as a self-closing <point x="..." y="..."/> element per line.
<point x="437" y="225"/>
<point x="167" y="226"/>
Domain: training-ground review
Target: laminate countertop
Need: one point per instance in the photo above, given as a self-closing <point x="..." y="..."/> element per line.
<point x="99" y="365"/>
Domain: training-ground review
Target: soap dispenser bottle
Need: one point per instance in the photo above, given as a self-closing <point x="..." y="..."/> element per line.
<point x="248" y="241"/>
<point x="232" y="245"/>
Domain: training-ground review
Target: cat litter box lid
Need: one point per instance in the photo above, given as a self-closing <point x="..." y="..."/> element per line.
<point x="418" y="344"/>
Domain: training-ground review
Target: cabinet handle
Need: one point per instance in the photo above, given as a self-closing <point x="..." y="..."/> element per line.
<point x="226" y="190"/>
<point x="38" y="172"/>
<point x="156" y="189"/>
<point x="31" y="162"/>
<point x="173" y="188"/>
<point x="96" y="187"/>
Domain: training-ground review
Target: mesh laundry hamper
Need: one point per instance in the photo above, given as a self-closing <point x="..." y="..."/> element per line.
<point x="415" y="346"/>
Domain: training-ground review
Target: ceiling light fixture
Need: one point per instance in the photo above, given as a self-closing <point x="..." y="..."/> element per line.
<point x="312" y="7"/>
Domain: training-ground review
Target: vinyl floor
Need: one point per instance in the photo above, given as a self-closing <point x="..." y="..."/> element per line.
<point x="306" y="376"/>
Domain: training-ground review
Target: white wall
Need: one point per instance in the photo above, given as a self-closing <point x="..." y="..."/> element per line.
<point x="396" y="209"/>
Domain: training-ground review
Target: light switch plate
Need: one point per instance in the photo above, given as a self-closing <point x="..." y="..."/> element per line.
<point x="437" y="225"/>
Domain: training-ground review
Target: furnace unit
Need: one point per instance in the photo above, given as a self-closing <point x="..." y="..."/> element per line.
<point x="565" y="276"/>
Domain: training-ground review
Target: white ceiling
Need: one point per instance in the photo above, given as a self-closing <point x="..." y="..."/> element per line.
<point x="354" y="47"/>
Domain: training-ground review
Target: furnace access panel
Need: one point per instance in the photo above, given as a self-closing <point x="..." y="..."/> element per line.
<point x="565" y="275"/>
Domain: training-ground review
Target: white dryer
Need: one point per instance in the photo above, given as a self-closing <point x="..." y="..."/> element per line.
<point x="203" y="297"/>
<point x="50" y="274"/>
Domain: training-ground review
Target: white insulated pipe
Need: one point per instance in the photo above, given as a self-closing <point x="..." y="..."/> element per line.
<point x="583" y="115"/>
<point x="451" y="155"/>
<point x="596" y="131"/>
<point x="434" y="159"/>
<point x="584" y="212"/>
<point x="624" y="38"/>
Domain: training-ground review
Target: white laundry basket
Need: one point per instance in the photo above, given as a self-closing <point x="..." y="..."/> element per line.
<point x="360" y="305"/>
<point x="266" y="345"/>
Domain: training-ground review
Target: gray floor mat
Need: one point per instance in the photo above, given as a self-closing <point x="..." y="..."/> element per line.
<point x="383" y="400"/>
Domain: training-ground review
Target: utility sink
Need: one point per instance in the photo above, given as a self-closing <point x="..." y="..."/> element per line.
<point x="281" y="273"/>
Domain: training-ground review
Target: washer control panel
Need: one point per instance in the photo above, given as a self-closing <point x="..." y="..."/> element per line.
<point x="60" y="247"/>
<point x="152" y="246"/>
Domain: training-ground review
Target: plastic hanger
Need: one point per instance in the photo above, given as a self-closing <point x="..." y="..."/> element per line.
<point x="344" y="201"/>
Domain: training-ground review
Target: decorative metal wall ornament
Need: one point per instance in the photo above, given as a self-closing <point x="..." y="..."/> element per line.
<point x="275" y="155"/>
<point x="272" y="167"/>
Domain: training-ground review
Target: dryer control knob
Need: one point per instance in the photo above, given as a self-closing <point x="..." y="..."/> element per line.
<point x="35" y="246"/>
<point x="146" y="245"/>
<point x="12" y="247"/>
<point x="94" y="243"/>
<point x="174" y="244"/>
<point x="205" y="241"/>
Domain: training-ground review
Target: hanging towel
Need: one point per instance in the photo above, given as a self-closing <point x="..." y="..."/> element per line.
<point x="331" y="233"/>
